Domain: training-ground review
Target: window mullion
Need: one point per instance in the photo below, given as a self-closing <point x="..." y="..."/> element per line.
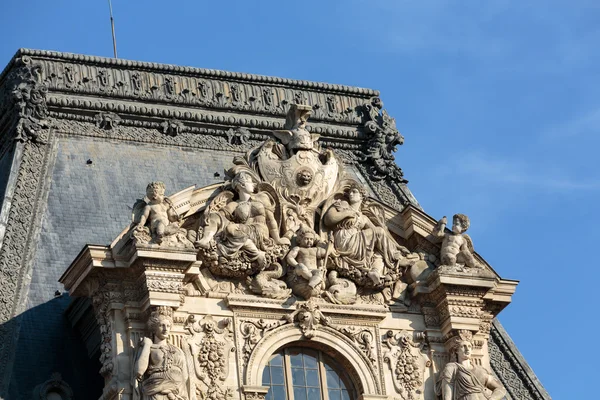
<point x="287" y="369"/>
<point x="323" y="378"/>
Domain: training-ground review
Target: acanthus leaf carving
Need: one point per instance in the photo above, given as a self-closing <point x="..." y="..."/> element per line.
<point x="383" y="139"/>
<point x="29" y="95"/>
<point x="309" y="318"/>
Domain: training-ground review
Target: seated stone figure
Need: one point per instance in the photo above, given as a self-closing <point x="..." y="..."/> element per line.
<point x="457" y="246"/>
<point x="364" y="247"/>
<point x="463" y="379"/>
<point x="304" y="257"/>
<point x="244" y="226"/>
<point x="155" y="217"/>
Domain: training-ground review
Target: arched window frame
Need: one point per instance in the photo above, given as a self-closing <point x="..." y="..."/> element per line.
<point x="324" y="363"/>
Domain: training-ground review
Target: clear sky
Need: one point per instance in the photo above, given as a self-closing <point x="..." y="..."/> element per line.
<point x="498" y="102"/>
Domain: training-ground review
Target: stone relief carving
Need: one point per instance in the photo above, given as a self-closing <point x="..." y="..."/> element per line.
<point x="107" y="120"/>
<point x="211" y="346"/>
<point x="160" y="369"/>
<point x="156" y="221"/>
<point x="277" y="195"/>
<point x="457" y="248"/>
<point x="300" y="172"/>
<point x="365" y="251"/>
<point x="340" y="290"/>
<point x="462" y="378"/>
<point x="172" y="127"/>
<point x="238" y="136"/>
<point x="383" y="139"/>
<point x="406" y="362"/>
<point x="29" y="96"/>
<point x="308" y="316"/>
<point x="239" y="233"/>
<point x="252" y="332"/>
<point x="362" y="338"/>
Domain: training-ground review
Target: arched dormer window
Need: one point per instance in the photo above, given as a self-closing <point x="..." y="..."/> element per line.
<point x="298" y="373"/>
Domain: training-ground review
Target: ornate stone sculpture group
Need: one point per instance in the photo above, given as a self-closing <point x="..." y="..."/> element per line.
<point x="287" y="221"/>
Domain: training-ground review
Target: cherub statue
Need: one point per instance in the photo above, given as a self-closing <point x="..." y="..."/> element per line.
<point x="304" y="258"/>
<point x="464" y="380"/>
<point x="457" y="246"/>
<point x="157" y="211"/>
<point x="295" y="136"/>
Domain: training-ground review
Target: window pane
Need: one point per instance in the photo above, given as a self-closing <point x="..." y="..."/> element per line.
<point x="277" y="360"/>
<point x="333" y="380"/>
<point x="266" y="379"/>
<point x="298" y="377"/>
<point x="314" y="393"/>
<point x="334" y="394"/>
<point x="310" y="361"/>
<point x="300" y="394"/>
<point x="278" y="392"/>
<point x="312" y="378"/>
<point x="277" y="375"/>
<point x="296" y="359"/>
<point x="345" y="395"/>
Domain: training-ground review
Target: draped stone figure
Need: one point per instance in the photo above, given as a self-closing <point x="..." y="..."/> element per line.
<point x="241" y="226"/>
<point x="364" y="249"/>
<point x="463" y="380"/>
<point x="160" y="369"/>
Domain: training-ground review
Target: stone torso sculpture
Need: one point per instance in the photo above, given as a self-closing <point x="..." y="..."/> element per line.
<point x="160" y="368"/>
<point x="463" y="380"/>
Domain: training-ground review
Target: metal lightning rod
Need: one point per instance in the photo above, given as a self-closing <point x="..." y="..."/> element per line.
<point x="112" y="25"/>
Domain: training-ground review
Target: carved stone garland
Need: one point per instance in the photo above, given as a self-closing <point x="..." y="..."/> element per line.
<point x="405" y="362"/>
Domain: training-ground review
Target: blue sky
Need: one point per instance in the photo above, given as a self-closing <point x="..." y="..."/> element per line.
<point x="498" y="102"/>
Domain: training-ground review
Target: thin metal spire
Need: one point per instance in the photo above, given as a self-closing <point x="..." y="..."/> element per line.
<point x="112" y="25"/>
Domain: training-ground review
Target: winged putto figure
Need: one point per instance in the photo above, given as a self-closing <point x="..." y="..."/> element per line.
<point x="155" y="220"/>
<point x="457" y="246"/>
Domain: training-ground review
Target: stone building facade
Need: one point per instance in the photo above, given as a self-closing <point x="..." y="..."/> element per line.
<point x="225" y="235"/>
